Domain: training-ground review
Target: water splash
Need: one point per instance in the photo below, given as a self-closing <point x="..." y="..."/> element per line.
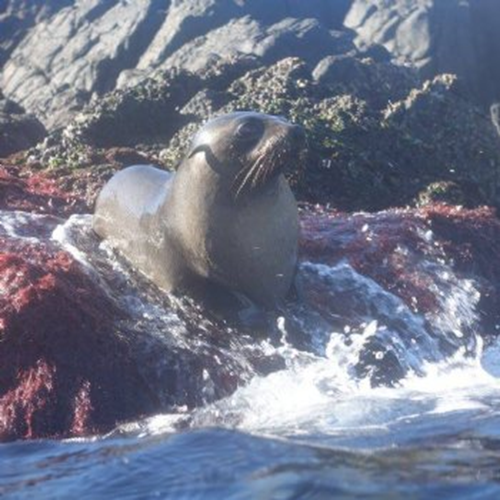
<point x="324" y="394"/>
<point x="320" y="389"/>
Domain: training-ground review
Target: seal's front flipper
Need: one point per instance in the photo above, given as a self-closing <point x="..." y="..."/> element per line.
<point x="250" y="315"/>
<point x="296" y="292"/>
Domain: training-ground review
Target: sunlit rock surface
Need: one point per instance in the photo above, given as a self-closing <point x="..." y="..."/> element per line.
<point x="85" y="48"/>
<point x="18" y="16"/>
<point x="58" y="55"/>
<point x="451" y="36"/>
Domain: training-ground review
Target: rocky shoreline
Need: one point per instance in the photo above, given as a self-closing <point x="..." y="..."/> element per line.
<point x="414" y="151"/>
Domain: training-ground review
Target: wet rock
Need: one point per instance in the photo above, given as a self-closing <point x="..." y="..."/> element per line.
<point x="75" y="359"/>
<point x="385" y="246"/>
<point x="64" y="339"/>
<point x="441" y="261"/>
<point x="64" y="369"/>
<point x="470" y="238"/>
<point x="78" y="355"/>
<point x="402" y="249"/>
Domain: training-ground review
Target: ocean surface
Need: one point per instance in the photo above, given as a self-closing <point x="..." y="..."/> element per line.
<point x="315" y="429"/>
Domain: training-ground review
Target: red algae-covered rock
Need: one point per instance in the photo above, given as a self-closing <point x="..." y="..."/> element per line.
<point x="68" y="365"/>
<point x="472" y="239"/>
<point x="34" y="192"/>
<point x="397" y="248"/>
<point x="384" y="246"/>
<point x="64" y="190"/>
<point x="64" y="370"/>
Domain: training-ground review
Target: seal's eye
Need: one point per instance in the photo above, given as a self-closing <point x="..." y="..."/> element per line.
<point x="249" y="130"/>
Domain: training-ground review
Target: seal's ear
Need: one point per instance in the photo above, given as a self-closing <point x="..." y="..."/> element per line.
<point x="210" y="158"/>
<point x="197" y="149"/>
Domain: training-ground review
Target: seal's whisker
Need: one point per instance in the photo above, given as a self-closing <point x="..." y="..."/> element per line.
<point x="257" y="177"/>
<point x="241" y="176"/>
<point x="248" y="173"/>
<point x="270" y="165"/>
<point x="272" y="154"/>
<point x="241" y="179"/>
<point x="269" y="160"/>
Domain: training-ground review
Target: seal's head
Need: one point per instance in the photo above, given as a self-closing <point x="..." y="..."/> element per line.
<point x="249" y="150"/>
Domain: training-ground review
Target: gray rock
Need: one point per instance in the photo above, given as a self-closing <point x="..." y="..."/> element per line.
<point x="92" y="46"/>
<point x="18" y="130"/>
<point x="190" y="20"/>
<point x="76" y="54"/>
<point x="438" y="36"/>
<point x="364" y="73"/>
<point x="18" y="16"/>
<point x="304" y="38"/>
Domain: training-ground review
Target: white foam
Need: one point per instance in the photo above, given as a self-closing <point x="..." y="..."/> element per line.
<point x="63" y="234"/>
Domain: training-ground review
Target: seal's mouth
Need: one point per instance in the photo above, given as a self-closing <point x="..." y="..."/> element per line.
<point x="280" y="151"/>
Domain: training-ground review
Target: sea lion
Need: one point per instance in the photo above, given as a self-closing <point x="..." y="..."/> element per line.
<point x="227" y="216"/>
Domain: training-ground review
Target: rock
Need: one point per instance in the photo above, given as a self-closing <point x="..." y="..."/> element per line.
<point x="79" y="356"/>
<point x="75" y="358"/>
<point x="229" y="27"/>
<point x="74" y="361"/>
<point x="64" y="370"/>
<point x="378" y="136"/>
<point x="378" y="139"/>
<point x="388" y="246"/>
<point x="363" y="77"/>
<point x="385" y="247"/>
<point x="18" y="130"/>
<point x="469" y="238"/>
<point x="18" y="16"/>
<point x="425" y="257"/>
<point x="79" y="51"/>
<point x="147" y="112"/>
<point x="438" y="37"/>
<point x="31" y="191"/>
<point x="61" y="190"/>
<point x="82" y="50"/>
<point x="304" y="38"/>
<point x="446" y="192"/>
